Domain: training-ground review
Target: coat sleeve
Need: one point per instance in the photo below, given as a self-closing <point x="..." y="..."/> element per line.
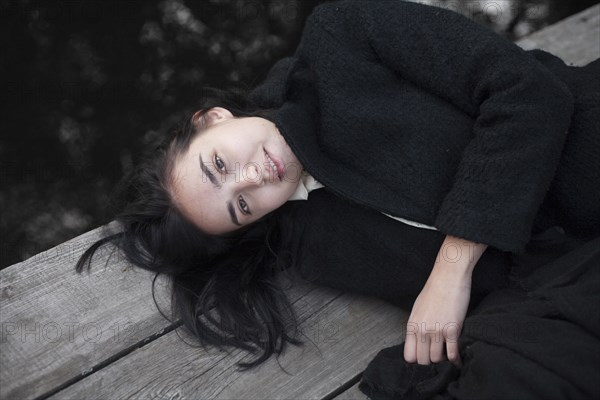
<point x="521" y="110"/>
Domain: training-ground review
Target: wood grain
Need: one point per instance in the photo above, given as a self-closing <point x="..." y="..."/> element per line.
<point x="342" y="334"/>
<point x="58" y="325"/>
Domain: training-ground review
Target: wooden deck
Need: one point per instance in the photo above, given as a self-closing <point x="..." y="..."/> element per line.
<point x="99" y="335"/>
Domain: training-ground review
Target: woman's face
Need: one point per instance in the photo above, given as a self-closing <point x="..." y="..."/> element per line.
<point x="235" y="171"/>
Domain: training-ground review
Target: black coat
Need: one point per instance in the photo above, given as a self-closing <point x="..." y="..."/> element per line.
<point x="421" y="113"/>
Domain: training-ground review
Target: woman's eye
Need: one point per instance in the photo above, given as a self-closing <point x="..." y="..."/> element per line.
<point x="243" y="205"/>
<point x="220" y="164"/>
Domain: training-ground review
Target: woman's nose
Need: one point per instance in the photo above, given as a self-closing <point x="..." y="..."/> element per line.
<point x="252" y="175"/>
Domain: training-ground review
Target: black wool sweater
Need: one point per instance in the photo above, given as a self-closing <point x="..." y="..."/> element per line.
<point x="421" y="113"/>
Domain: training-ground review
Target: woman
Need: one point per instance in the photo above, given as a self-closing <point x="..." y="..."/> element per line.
<point x="420" y="131"/>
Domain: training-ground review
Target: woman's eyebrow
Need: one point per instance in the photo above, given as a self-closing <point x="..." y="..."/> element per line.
<point x="232" y="214"/>
<point x="211" y="177"/>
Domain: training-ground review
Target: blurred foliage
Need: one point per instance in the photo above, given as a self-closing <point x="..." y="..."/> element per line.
<point x="87" y="85"/>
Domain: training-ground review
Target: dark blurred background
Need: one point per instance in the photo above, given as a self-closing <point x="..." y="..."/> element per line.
<point x="88" y="85"/>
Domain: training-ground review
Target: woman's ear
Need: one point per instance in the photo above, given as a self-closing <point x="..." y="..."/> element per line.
<point x="206" y="118"/>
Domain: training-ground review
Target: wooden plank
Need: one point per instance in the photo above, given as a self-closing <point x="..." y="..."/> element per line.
<point x="353" y="393"/>
<point x="365" y="326"/>
<point x="172" y="362"/>
<point x="346" y="332"/>
<point x="575" y="39"/>
<point x="58" y="325"/>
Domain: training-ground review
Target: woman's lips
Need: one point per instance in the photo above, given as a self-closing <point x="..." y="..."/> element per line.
<point x="280" y="167"/>
<point x="277" y="163"/>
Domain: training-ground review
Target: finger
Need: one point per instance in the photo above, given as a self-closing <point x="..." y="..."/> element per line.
<point x="451" y="335"/>
<point x="453" y="353"/>
<point x="436" y="349"/>
<point x="423" y="345"/>
<point x="410" y="344"/>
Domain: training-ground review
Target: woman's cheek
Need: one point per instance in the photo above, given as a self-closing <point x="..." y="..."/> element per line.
<point x="277" y="198"/>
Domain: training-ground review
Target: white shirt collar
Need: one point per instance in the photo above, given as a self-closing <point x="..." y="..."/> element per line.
<point x="306" y="184"/>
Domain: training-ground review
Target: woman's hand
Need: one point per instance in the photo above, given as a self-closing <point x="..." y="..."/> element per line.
<point x="438" y="313"/>
<point x="436" y="318"/>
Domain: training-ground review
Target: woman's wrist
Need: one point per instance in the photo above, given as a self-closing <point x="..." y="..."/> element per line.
<point x="458" y="256"/>
<point x="457" y="271"/>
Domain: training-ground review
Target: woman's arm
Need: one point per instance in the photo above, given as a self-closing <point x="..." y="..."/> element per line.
<point x="439" y="310"/>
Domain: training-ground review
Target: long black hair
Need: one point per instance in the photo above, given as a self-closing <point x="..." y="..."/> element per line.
<point x="223" y="287"/>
